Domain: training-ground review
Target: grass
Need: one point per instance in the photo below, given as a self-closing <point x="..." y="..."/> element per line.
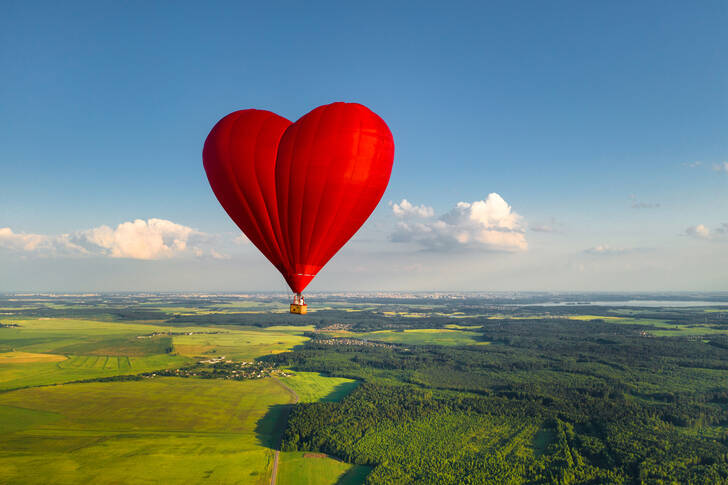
<point x="240" y="344"/>
<point x="684" y="330"/>
<point x="312" y="386"/>
<point x="15" y="419"/>
<point x="161" y="430"/>
<point x="300" y="468"/>
<point x="77" y="368"/>
<point x="426" y="336"/>
<point x="65" y="336"/>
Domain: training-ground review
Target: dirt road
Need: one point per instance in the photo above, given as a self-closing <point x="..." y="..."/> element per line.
<point x="274" y="473"/>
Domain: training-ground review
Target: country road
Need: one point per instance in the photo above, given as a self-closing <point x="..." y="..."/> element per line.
<point x="274" y="473"/>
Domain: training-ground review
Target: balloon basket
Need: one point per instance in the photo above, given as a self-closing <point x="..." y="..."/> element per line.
<point x="298" y="309"/>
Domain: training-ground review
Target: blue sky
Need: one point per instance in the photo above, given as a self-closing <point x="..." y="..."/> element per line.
<point x="603" y="124"/>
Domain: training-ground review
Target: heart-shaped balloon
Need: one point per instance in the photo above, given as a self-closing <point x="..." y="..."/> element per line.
<point x="299" y="191"/>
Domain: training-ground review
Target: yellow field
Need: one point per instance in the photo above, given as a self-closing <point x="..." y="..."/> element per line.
<point x="28" y="357"/>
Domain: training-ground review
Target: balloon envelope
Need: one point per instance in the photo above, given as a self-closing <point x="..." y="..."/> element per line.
<point x="299" y="191"/>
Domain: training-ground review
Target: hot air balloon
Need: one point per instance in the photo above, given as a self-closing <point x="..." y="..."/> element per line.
<point x="299" y="191"/>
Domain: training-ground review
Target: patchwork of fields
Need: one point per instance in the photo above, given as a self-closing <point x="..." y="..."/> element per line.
<point x="154" y="430"/>
<point x="97" y="400"/>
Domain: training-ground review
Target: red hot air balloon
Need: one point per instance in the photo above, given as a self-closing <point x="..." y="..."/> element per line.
<point x="299" y="191"/>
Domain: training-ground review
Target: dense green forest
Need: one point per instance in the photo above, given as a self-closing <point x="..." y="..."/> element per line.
<point x="571" y="402"/>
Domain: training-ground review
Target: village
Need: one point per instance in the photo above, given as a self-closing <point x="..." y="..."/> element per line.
<point x="220" y="368"/>
<point x="173" y="334"/>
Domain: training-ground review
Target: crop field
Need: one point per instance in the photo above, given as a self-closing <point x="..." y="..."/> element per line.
<point x="28" y="357"/>
<point x="313" y="387"/>
<point x="55" y="351"/>
<point x="77" y="368"/>
<point x="161" y="430"/>
<point x="240" y="344"/>
<point x="299" y="468"/>
<point x="150" y="430"/>
<point x="426" y="336"/>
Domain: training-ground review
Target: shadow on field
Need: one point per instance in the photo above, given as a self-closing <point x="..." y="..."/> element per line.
<point x="340" y="391"/>
<point x="269" y="428"/>
<point x="355" y="476"/>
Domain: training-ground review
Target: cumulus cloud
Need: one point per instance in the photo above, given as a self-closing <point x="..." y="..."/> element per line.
<point x="692" y="164"/>
<point x="37" y="242"/>
<point x="703" y="232"/>
<point x="721" y="167"/>
<point x="488" y="224"/>
<point x="407" y="209"/>
<point x="138" y="239"/>
<point x="699" y="231"/>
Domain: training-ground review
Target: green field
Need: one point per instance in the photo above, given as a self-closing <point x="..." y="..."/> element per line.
<point x="77" y="368"/>
<point x="299" y="468"/>
<point x="161" y="430"/>
<point x="95" y="348"/>
<point x="425" y="336"/>
<point x="241" y="344"/>
<point x="312" y="386"/>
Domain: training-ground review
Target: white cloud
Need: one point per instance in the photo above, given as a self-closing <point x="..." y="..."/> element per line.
<point x="152" y="239"/>
<point x="407" y="209"/>
<point x="721" y="167"/>
<point x="692" y="164"/>
<point x="138" y="239"/>
<point x="699" y="231"/>
<point x="702" y="232"/>
<point x="488" y="224"/>
<point x="37" y="242"/>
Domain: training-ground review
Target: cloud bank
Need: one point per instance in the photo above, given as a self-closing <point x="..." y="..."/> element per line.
<point x="489" y="225"/>
<point x="138" y="239"/>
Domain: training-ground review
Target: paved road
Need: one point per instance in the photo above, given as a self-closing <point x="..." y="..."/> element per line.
<point x="274" y="474"/>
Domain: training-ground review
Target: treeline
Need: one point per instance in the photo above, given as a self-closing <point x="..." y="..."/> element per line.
<point x="570" y="402"/>
<point x="615" y="444"/>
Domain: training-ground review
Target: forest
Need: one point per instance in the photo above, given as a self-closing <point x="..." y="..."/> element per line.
<point x="546" y="401"/>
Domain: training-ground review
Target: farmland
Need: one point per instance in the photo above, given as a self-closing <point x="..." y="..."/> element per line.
<point x="187" y="430"/>
<point x="58" y="426"/>
<point x="186" y="389"/>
